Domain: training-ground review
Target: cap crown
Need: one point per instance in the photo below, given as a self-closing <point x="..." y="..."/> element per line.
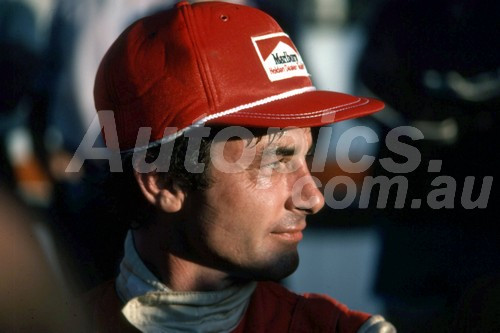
<point x="191" y="62"/>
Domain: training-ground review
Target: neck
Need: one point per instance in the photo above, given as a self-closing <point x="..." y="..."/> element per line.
<point x="172" y="269"/>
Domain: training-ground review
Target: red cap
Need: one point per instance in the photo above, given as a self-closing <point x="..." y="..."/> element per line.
<point x="212" y="63"/>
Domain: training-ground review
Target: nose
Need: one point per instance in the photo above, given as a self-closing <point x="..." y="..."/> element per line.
<point x="306" y="196"/>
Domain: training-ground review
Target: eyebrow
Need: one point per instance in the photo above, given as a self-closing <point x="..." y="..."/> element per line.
<point x="284" y="150"/>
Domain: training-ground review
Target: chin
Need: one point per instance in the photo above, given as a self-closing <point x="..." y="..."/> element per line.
<point x="276" y="269"/>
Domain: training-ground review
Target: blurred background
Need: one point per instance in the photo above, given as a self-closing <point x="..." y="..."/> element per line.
<point x="435" y="64"/>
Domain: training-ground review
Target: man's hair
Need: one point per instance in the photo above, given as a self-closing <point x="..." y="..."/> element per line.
<point x="127" y="201"/>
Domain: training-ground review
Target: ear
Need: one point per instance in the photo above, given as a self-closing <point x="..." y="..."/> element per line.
<point x="161" y="192"/>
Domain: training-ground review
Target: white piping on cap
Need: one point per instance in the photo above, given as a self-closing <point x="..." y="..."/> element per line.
<point x="202" y="121"/>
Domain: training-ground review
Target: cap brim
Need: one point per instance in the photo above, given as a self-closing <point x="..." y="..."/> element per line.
<point x="310" y="109"/>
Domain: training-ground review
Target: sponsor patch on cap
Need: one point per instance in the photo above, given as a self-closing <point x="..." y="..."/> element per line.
<point x="279" y="57"/>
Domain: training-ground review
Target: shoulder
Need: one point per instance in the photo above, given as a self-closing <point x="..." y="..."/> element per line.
<point x="291" y="312"/>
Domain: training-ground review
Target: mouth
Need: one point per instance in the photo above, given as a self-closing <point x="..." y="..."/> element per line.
<point x="292" y="236"/>
<point x="290" y="233"/>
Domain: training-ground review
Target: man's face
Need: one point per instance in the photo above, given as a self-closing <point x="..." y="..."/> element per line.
<point x="249" y="221"/>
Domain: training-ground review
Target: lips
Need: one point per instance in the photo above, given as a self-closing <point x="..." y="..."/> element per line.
<point x="291" y="233"/>
<point x="295" y="236"/>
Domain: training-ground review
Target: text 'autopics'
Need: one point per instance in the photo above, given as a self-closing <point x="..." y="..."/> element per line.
<point x="343" y="190"/>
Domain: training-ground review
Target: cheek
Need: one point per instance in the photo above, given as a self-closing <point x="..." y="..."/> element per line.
<point x="237" y="219"/>
<point x="223" y="216"/>
<point x="247" y="197"/>
<point x="238" y="215"/>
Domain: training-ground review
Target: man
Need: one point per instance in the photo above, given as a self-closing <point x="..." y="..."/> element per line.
<point x="215" y="209"/>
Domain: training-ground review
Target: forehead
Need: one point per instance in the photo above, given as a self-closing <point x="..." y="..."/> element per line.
<point x="240" y="152"/>
<point x="262" y="139"/>
<point x="296" y="137"/>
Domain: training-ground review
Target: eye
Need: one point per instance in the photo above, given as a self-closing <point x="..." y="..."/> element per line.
<point x="276" y="164"/>
<point x="284" y="165"/>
